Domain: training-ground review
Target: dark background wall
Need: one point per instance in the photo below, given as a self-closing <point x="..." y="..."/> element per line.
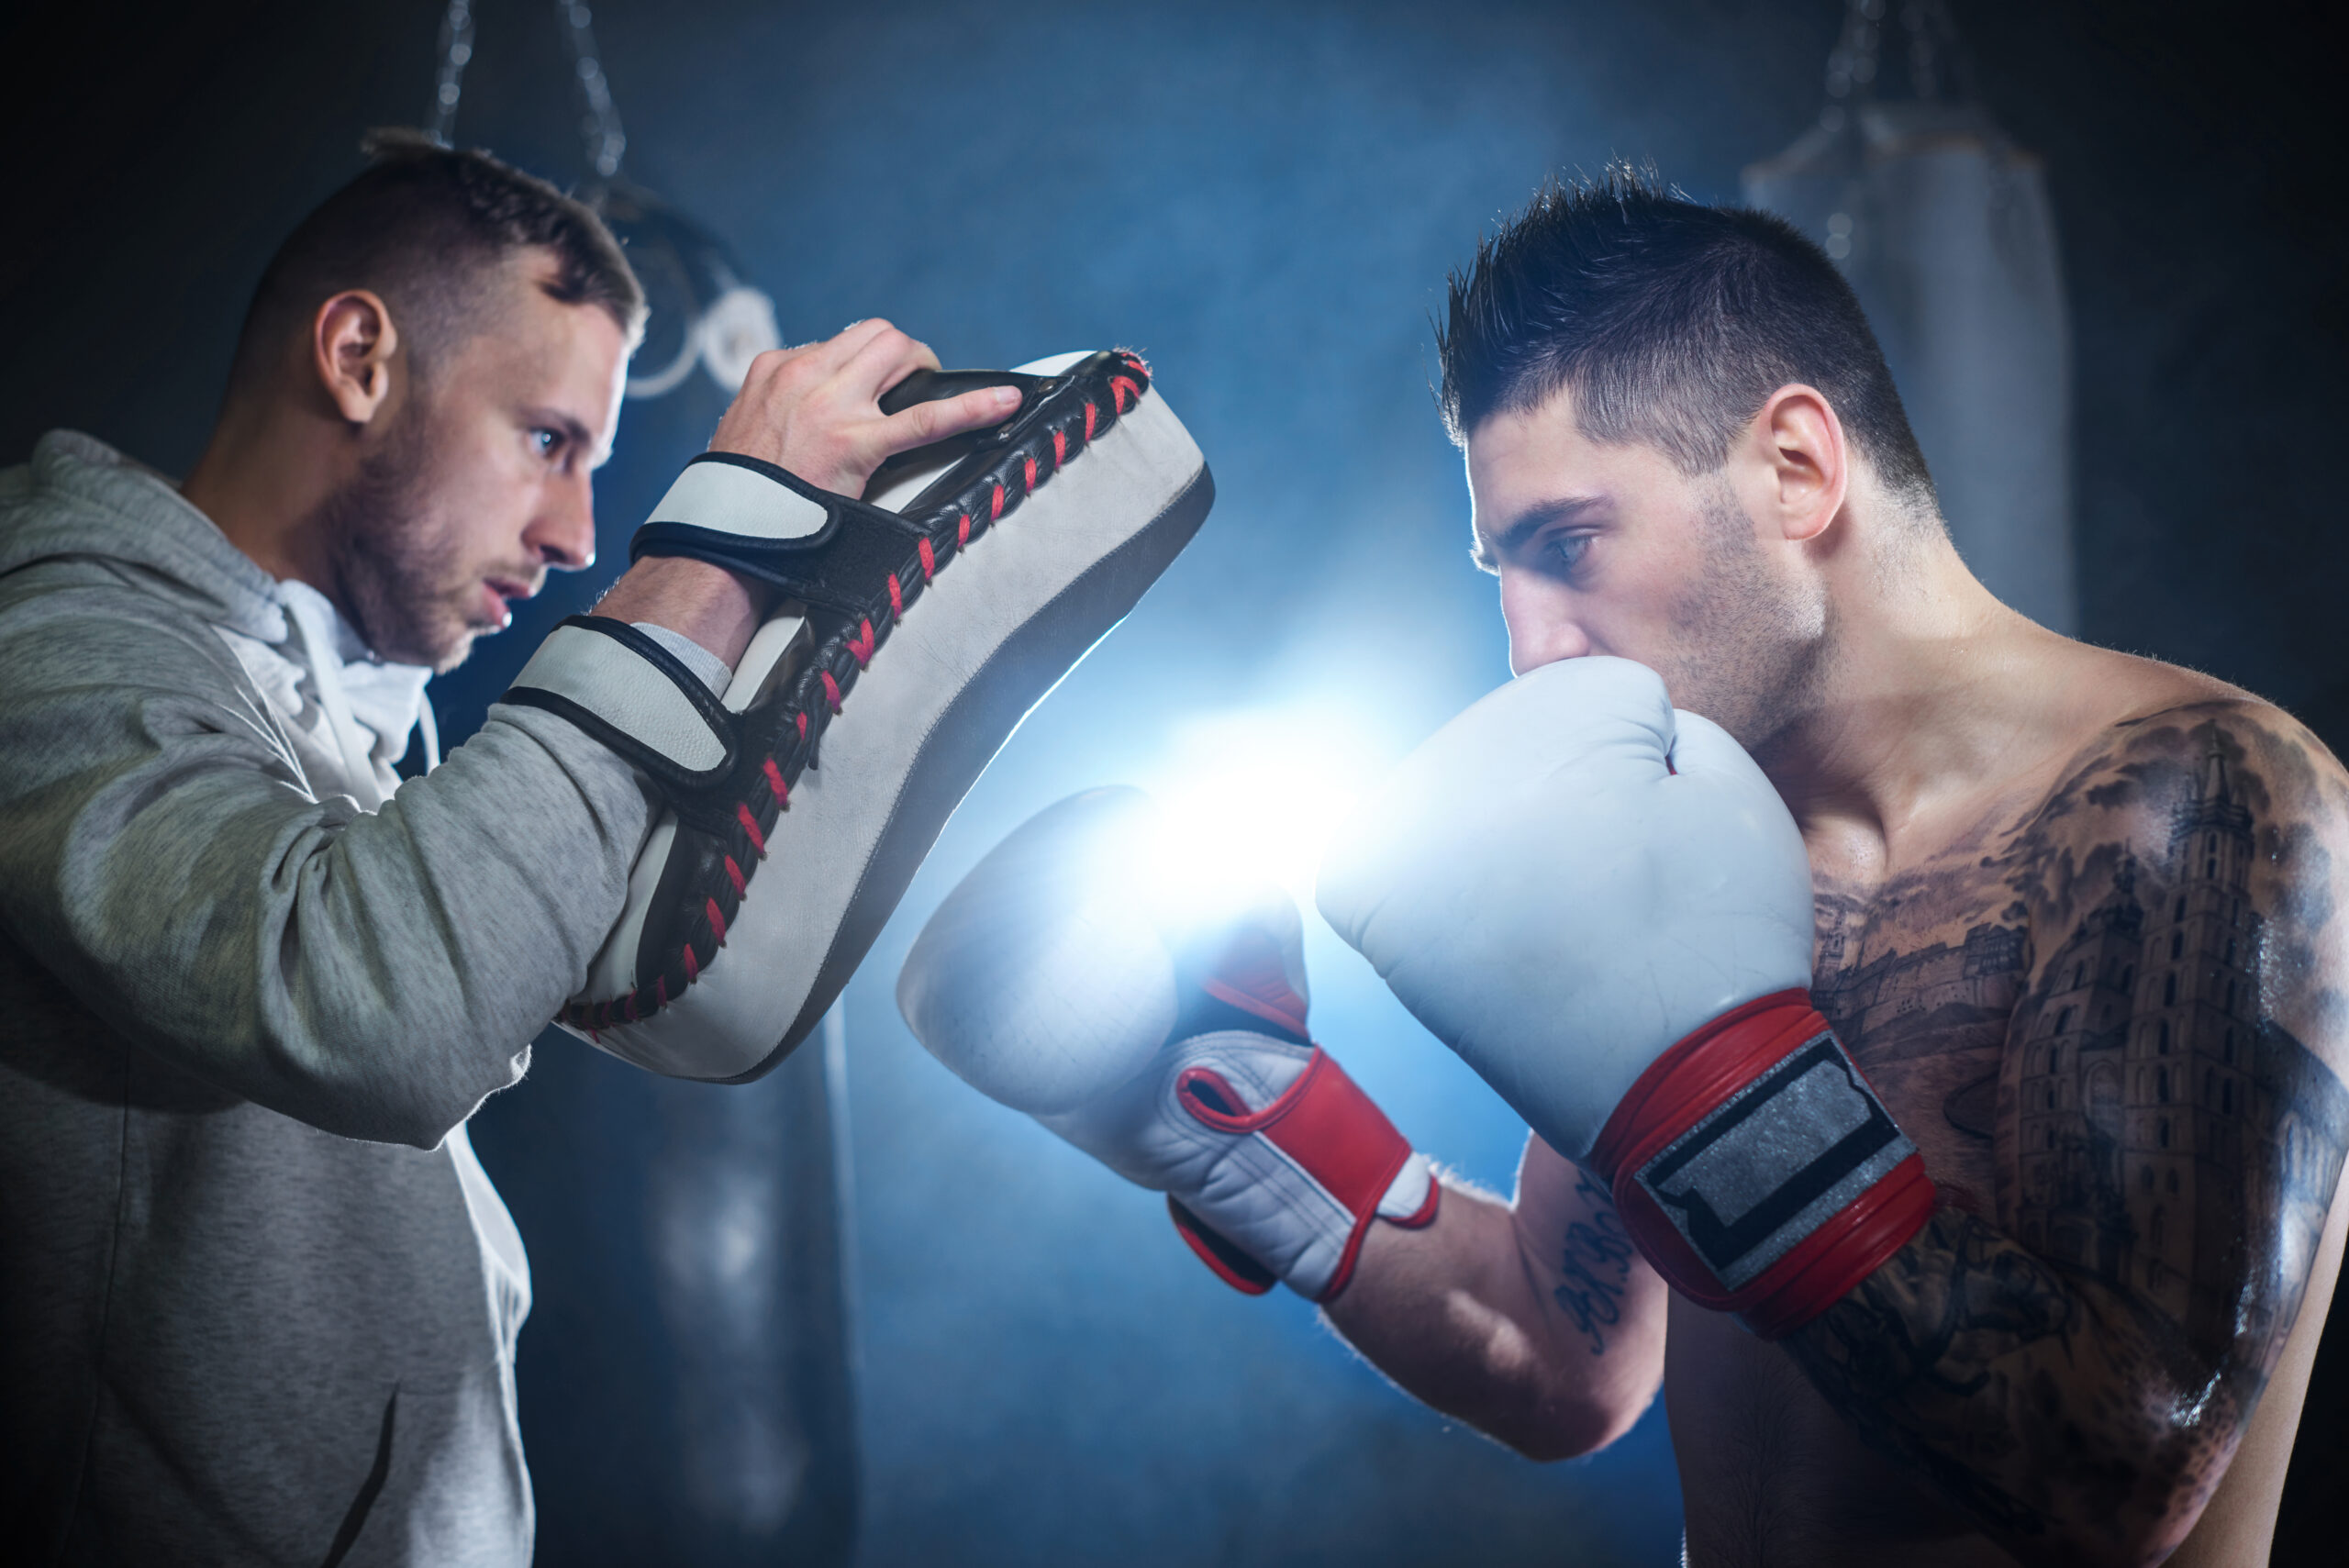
<point x="1264" y="199"/>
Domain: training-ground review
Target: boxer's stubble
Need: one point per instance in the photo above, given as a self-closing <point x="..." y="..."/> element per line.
<point x="1750" y="649"/>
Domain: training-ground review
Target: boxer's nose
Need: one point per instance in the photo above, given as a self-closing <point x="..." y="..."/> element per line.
<point x="1543" y="625"/>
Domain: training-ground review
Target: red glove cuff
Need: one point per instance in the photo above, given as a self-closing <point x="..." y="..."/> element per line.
<point x="1758" y="1172"/>
<point x="1335" y="1136"/>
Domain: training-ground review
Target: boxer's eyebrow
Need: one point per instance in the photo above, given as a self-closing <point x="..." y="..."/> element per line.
<point x="1488" y="553"/>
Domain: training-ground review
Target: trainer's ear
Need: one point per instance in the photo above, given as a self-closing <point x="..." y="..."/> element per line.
<point x="352" y="342"/>
<point x="1801" y="464"/>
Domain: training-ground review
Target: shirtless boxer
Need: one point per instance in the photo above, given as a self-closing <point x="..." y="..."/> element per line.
<point x="257" y="1299"/>
<point x="2074" y="914"/>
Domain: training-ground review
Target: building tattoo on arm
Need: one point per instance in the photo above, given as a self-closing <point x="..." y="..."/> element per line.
<point x="2081" y="1367"/>
<point x="1596" y="1266"/>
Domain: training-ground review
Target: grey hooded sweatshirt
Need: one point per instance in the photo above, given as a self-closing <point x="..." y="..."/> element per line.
<point x="257" y="1299"/>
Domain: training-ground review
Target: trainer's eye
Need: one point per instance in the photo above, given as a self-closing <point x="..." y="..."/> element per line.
<point x="1565" y="551"/>
<point x="546" y="442"/>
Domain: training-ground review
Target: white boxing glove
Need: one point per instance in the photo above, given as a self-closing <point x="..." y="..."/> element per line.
<point x="1603" y="906"/>
<point x="1172" y="1049"/>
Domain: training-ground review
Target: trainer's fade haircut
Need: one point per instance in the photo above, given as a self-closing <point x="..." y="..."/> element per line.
<point x="425" y="227"/>
<point x="1670" y="323"/>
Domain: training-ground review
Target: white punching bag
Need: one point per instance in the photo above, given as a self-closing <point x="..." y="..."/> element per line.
<point x="1943" y="227"/>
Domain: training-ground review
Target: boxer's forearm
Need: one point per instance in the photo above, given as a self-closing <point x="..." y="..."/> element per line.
<point x="1553" y="1344"/>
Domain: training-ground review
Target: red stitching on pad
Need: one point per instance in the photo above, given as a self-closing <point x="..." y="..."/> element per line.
<point x="862" y="646"/>
<point x="750" y="826"/>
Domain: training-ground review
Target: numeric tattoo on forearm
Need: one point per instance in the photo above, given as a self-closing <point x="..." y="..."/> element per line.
<point x="1595" y="1267"/>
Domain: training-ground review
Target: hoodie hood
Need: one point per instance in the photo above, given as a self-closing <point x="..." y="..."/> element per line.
<point x="79" y="498"/>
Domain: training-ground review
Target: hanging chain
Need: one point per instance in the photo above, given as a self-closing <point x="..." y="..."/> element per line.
<point x="1937" y="60"/>
<point x="601" y="123"/>
<point x="456" y="50"/>
<point x="1852" y="63"/>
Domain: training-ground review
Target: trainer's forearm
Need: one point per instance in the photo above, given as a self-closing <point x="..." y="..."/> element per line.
<point x="1504" y="1330"/>
<point x="708" y="604"/>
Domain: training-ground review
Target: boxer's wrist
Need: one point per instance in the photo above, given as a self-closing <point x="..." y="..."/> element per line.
<point x="1309" y="1172"/>
<point x="1757" y="1170"/>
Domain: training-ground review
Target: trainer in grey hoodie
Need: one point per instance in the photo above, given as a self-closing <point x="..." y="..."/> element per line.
<point x="257" y="1299"/>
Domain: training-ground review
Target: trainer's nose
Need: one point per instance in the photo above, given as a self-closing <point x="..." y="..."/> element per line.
<point x="563" y="534"/>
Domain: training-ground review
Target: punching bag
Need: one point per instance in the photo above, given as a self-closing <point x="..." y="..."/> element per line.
<point x="1944" y="228"/>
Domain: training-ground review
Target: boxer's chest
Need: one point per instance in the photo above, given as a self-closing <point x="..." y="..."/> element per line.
<point x="1921" y="975"/>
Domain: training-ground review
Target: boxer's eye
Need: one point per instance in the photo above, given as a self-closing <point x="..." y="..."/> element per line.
<point x="546" y="442"/>
<point x="1564" y="552"/>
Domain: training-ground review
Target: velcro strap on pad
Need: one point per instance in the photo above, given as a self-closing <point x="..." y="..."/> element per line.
<point x="632" y="694"/>
<point x="767" y="523"/>
<point x="728" y="494"/>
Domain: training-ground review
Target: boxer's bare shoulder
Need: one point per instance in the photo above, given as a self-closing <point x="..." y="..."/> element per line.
<point x="2111" y="1014"/>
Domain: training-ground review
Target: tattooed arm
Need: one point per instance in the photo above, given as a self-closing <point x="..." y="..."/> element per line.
<point x="2076" y="1371"/>
<point x="1533" y="1322"/>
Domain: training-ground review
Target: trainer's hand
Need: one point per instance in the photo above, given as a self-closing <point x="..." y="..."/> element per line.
<point x="815" y="410"/>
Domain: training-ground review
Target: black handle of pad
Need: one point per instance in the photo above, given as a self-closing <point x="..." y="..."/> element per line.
<point x="930" y="386"/>
<point x="933" y="386"/>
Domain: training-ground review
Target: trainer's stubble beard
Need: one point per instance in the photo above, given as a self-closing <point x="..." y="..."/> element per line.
<point x="397" y="561"/>
<point x="1751" y="650"/>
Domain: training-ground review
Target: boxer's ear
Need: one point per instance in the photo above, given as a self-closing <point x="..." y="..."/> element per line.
<point x="1799" y="443"/>
<point x="352" y="342"/>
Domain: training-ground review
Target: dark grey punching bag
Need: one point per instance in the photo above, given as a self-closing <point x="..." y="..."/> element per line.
<point x="746" y="1213"/>
<point x="1943" y="227"/>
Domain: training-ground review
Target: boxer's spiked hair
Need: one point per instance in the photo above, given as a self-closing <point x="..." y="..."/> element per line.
<point x="1670" y="323"/>
<point x="421" y="225"/>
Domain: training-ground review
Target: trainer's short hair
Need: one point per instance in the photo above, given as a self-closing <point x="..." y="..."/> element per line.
<point x="424" y="225"/>
<point x="1670" y="322"/>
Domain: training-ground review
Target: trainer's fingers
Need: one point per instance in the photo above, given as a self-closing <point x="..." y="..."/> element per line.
<point x="926" y="422"/>
<point x="844" y="345"/>
<point x="882" y="362"/>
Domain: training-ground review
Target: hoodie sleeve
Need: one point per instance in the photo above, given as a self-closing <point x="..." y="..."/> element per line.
<point x="374" y="975"/>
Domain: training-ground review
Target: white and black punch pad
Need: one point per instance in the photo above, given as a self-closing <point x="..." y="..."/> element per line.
<point x="914" y="639"/>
